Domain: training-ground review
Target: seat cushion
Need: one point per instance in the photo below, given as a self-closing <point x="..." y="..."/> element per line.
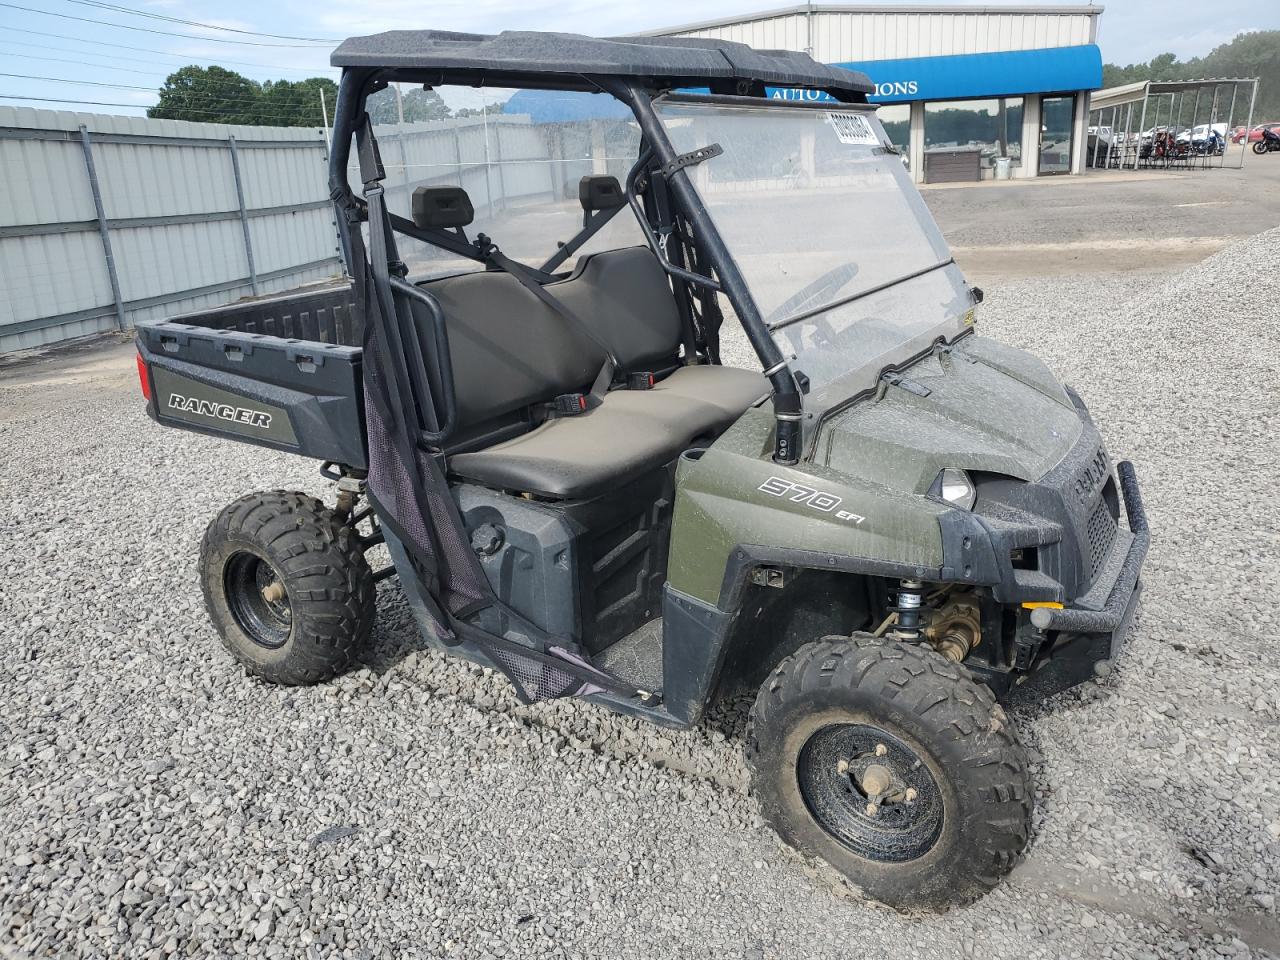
<point x="629" y="433"/>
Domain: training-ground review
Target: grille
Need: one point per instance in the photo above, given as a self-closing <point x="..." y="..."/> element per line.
<point x="1102" y="531"/>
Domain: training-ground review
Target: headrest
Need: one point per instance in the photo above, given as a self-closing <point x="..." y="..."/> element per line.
<point x="442" y="208"/>
<point x="600" y="193"/>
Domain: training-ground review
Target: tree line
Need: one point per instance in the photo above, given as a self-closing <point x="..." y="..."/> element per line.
<point x="1255" y="54"/>
<point x="217" y="95"/>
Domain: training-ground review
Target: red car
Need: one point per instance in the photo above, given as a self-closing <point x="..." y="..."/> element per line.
<point x="1237" y="135"/>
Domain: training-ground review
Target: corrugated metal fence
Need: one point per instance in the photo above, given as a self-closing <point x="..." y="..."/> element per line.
<point x="105" y="221"/>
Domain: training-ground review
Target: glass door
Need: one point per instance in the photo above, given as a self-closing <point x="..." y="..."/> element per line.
<point x="1057" y="115"/>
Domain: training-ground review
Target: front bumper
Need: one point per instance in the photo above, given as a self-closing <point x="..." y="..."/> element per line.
<point x="1121" y="599"/>
<point x="1100" y="599"/>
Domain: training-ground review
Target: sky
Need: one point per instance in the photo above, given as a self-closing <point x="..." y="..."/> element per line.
<point x="58" y="41"/>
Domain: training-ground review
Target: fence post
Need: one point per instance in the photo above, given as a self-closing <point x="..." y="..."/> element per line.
<point x="102" y="226"/>
<point x="244" y="214"/>
<point x="1248" y="124"/>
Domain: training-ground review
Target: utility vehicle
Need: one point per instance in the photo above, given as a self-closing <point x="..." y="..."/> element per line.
<point x="888" y="528"/>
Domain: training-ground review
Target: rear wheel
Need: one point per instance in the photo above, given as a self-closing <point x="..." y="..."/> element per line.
<point x="287" y="587"/>
<point x="893" y="765"/>
<point x="1260" y="147"/>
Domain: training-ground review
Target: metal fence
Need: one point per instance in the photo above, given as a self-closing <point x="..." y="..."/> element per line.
<point x="105" y="221"/>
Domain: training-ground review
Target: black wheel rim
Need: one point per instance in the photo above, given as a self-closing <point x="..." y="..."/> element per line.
<point x="834" y="770"/>
<point x="267" y="622"/>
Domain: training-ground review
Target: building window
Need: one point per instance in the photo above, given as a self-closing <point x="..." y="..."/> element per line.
<point x="896" y="119"/>
<point x="992" y="128"/>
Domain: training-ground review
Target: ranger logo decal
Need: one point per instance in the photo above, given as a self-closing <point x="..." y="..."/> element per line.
<point x="1095" y="471"/>
<point x="220" y="411"/>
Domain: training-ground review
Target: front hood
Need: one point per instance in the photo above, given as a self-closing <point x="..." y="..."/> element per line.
<point x="979" y="406"/>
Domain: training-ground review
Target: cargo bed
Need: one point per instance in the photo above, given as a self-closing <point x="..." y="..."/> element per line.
<point x="282" y="372"/>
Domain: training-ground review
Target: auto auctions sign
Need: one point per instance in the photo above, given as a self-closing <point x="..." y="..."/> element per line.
<point x="908" y="89"/>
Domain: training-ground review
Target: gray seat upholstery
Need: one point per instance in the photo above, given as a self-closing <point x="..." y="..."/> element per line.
<point x="630" y="432"/>
<point x="512" y="353"/>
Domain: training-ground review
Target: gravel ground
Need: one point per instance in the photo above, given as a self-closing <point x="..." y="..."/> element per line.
<point x="156" y="802"/>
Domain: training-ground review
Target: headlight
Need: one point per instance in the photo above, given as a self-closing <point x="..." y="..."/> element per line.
<point x="954" y="486"/>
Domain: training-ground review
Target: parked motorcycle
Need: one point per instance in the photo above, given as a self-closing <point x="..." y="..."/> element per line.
<point x="1270" y="142"/>
<point x="1211" y="146"/>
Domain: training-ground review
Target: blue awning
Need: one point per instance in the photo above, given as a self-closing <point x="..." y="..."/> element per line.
<point x="558" y="106"/>
<point x="972" y="75"/>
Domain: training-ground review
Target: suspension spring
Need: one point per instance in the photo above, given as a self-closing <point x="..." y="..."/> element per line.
<point x="910" y="600"/>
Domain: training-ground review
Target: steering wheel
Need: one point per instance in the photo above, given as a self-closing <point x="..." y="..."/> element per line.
<point x="828" y="283"/>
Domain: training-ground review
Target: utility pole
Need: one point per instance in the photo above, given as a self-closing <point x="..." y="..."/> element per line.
<point x="399" y="102"/>
<point x="324" y="115"/>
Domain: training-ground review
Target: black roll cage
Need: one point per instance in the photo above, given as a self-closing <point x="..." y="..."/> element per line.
<point x="657" y="154"/>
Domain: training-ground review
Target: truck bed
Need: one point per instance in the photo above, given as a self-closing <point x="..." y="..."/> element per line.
<point x="281" y="372"/>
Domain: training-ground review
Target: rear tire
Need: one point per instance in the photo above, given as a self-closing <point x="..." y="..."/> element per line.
<point x="958" y="814"/>
<point x="287" y="587"/>
<point x="1260" y="147"/>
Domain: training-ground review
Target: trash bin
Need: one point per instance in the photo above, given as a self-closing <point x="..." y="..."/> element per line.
<point x="1004" y="166"/>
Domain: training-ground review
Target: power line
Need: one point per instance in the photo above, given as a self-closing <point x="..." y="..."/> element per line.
<point x="224" y="105"/>
<point x="166" y="33"/>
<point x="179" y="94"/>
<point x="160" y="78"/>
<point x="197" y="23"/>
<point x="85" y="83"/>
<point x="131" y="106"/>
<point x="161" y="53"/>
<point x="32" y="56"/>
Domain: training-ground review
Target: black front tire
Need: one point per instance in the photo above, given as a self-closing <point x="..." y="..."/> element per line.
<point x="289" y="543"/>
<point x="968" y="818"/>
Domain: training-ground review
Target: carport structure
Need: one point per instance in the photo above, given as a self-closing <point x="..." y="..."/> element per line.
<point x="1166" y="111"/>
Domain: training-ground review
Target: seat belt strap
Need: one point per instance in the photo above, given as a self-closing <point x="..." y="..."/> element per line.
<point x="604" y="379"/>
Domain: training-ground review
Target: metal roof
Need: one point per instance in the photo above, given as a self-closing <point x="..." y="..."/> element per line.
<point x="1135" y="92"/>
<point x="928" y="8"/>
<point x="683" y="61"/>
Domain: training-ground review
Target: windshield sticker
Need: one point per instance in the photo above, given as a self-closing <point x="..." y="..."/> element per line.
<point x="853" y="128"/>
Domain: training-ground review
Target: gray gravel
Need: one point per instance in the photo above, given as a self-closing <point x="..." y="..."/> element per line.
<point x="156" y="802"/>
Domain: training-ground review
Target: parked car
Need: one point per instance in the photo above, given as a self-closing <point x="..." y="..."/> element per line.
<point x="1256" y="133"/>
<point x="1201" y="131"/>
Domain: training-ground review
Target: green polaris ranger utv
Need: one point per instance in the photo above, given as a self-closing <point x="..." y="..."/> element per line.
<point x="887" y="529"/>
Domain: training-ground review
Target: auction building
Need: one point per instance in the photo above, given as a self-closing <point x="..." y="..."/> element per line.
<point x="967" y="93"/>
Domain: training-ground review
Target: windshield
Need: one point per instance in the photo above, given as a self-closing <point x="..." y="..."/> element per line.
<point x="838" y="250"/>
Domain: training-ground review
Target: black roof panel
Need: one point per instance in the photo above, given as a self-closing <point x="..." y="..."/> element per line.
<point x="683" y="60"/>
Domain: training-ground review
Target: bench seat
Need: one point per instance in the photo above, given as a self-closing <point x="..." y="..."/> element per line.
<point x="630" y="432"/>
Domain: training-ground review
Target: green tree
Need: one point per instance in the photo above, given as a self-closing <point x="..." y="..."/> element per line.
<point x="295" y="103"/>
<point x="209" y="95"/>
<point x="218" y="95"/>
<point x="489" y="108"/>
<point x="418" y="105"/>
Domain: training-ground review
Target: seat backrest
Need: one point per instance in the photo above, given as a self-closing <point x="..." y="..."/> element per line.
<point x="510" y="350"/>
<point x="625" y="296"/>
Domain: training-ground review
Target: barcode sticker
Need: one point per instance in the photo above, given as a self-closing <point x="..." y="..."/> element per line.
<point x="853" y="128"/>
